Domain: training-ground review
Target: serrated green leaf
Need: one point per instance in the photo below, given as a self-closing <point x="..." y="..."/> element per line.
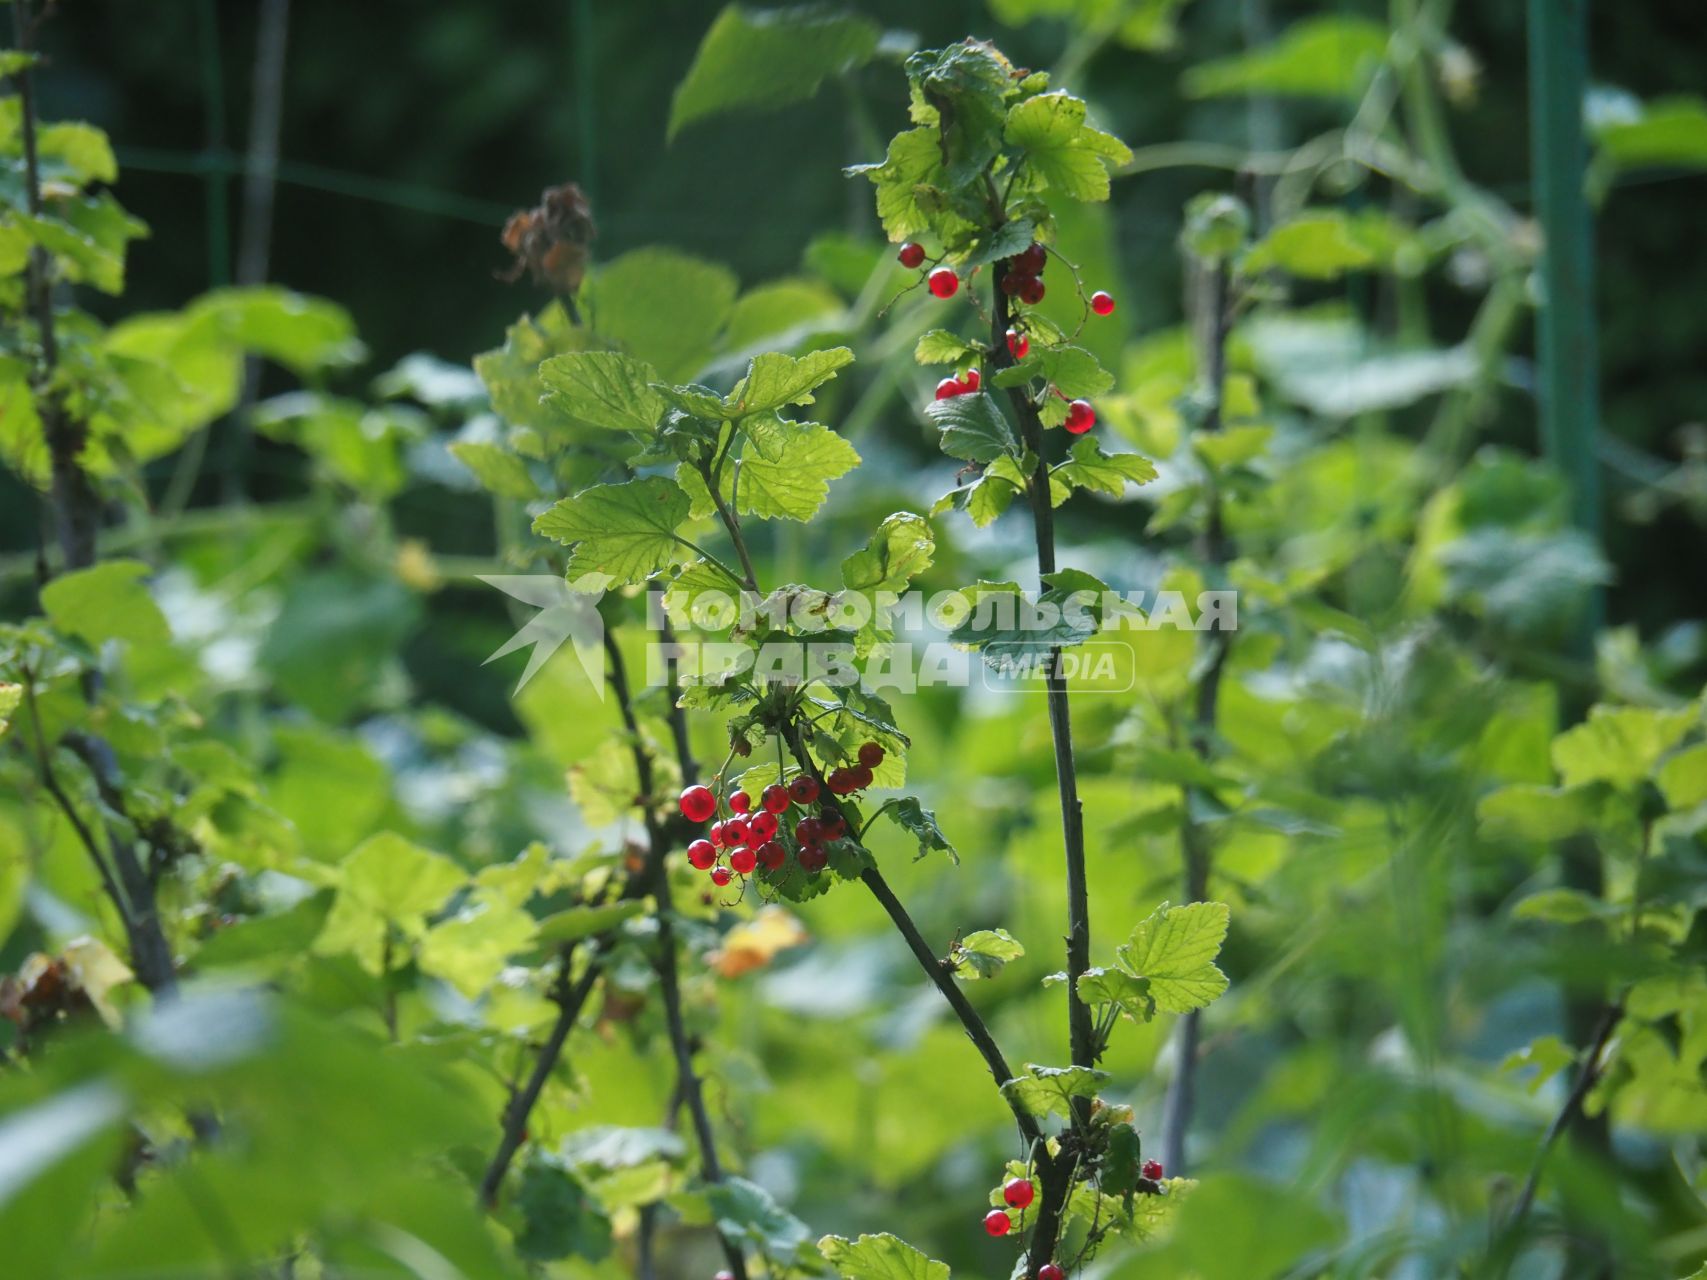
<point x="1072" y="371"/>
<point x="1070" y="155"/>
<point x="939" y="346"/>
<point x="774" y="380"/>
<point x="794" y="483"/>
<point x="603" y="389"/>
<point x="963" y="89"/>
<point x="1175" y="948"/>
<point x="1529" y="812"/>
<point x="908" y="182"/>
<point x="982" y="954"/>
<point x="898" y="552"/>
<point x="1088" y="467"/>
<point x="471" y="948"/>
<point x="973" y="427"/>
<point x="879" y="1257"/>
<point x="1319" y="244"/>
<point x="769" y="58"/>
<point x="1051" y="1090"/>
<point x="1117" y="987"/>
<point x="625" y="530"/>
<point x="745" y="1211"/>
<point x="399" y="879"/>
<point x="920" y="823"/>
<point x="662" y="306"/>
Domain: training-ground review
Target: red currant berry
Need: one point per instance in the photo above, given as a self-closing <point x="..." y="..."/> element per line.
<point x="1153" y="1170"/>
<point x="734" y="832"/>
<point x="1018" y="344"/>
<point x="804" y="789"/>
<point x="971" y="380"/>
<point x="1049" y="1271"/>
<point x="1032" y="259"/>
<point x="813" y="858"/>
<point x="761" y="827"/>
<point x="1013" y="280"/>
<point x="1032" y="291"/>
<point x="739" y="802"/>
<point x="716" y="833"/>
<point x="910" y="255"/>
<point x="701" y="855"/>
<point x="698" y="804"/>
<point x="1080" y="417"/>
<point x="772" y="854"/>
<point x="721" y="876"/>
<point x="833" y="825"/>
<point x="841" y="781"/>
<point x="871" y="755"/>
<point x="743" y="861"/>
<point x="948" y="388"/>
<point x="775" y="798"/>
<point x="1102" y="303"/>
<point x="997" y="1222"/>
<point x="809" y="831"/>
<point x="943" y="282"/>
<point x="1019" y="1192"/>
<point x="861" y="777"/>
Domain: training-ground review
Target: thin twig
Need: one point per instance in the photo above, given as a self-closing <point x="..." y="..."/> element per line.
<point x="569" y="997"/>
<point x="1215" y="549"/>
<point x="669" y="979"/>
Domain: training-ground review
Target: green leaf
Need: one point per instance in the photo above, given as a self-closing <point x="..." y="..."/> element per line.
<point x="774" y="380"/>
<point x="1070" y="155"/>
<point x="625" y="530"/>
<point x="963" y="89"/>
<point x="769" y="58"/>
<point x="1529" y="812"/>
<point x="1682" y="779"/>
<point x="921" y="823"/>
<point x="304" y="334"/>
<point x="664" y="307"/>
<point x="939" y="346"/>
<point x="908" y="182"/>
<point x="106" y="602"/>
<point x="1117" y="987"/>
<point x="1231" y="447"/>
<point x="10" y="696"/>
<point x="879" y="1257"/>
<point x="1175" y="948"/>
<point x="746" y="1211"/>
<point x="794" y="483"/>
<point x="471" y="948"/>
<point x="399" y="879"/>
<point x="1318" y="244"/>
<point x="498" y="470"/>
<point x="1088" y="467"/>
<point x="1564" y="906"/>
<point x="603" y="389"/>
<point x="1051" y="1090"/>
<point x="575" y="923"/>
<point x="1073" y="371"/>
<point x="982" y="954"/>
<point x="560" y="1219"/>
<point x="1008" y="623"/>
<point x="76" y="150"/>
<point x="898" y="552"/>
<point x="973" y="427"/>
<point x="1324" y="57"/>
<point x="1670" y="132"/>
<point x="1619" y="745"/>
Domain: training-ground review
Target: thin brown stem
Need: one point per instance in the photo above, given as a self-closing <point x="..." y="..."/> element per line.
<point x="569" y="997"/>
<point x="669" y="978"/>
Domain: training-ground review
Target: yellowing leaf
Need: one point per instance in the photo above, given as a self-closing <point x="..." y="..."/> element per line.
<point x="754" y="943"/>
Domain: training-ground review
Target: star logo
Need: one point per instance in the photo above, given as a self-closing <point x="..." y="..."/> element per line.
<point x="568" y="611"/>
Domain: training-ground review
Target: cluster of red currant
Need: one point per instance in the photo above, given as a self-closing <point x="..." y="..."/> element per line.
<point x="744" y="841"/>
<point x="1020" y="276"/>
<point x="1018" y="1193"/>
<point x="965" y="384"/>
